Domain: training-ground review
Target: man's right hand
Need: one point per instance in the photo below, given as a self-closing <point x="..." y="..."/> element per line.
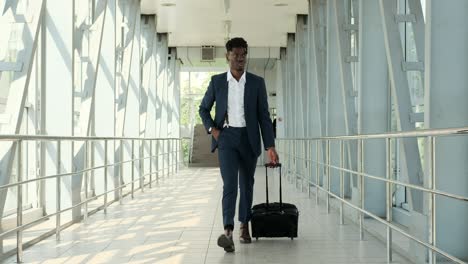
<point x="215" y="133"/>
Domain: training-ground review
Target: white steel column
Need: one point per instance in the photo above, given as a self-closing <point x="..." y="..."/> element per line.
<point x="281" y="94"/>
<point x="319" y="16"/>
<point x="316" y="69"/>
<point x="131" y="125"/>
<point x="148" y="33"/>
<point x="301" y="106"/>
<point x="152" y="97"/>
<point x="176" y="98"/>
<point x="148" y="87"/>
<point x="317" y="75"/>
<point x="290" y="121"/>
<point x="446" y="92"/>
<point x="58" y="105"/>
<point x="161" y="114"/>
<point x="127" y="19"/>
<point x="171" y="77"/>
<point x="336" y="116"/>
<point x="104" y="120"/>
<point x="374" y="110"/>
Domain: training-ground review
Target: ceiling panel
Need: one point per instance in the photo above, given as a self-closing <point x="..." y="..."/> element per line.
<point x="202" y="22"/>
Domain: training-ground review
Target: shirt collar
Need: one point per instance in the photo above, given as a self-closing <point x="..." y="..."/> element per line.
<point x="230" y="77"/>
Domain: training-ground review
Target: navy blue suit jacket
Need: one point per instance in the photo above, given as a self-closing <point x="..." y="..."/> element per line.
<point x="257" y="117"/>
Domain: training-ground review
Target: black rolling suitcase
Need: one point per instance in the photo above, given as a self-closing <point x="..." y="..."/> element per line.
<point x="274" y="219"/>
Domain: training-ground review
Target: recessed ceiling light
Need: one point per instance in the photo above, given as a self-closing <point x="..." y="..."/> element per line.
<point x="168" y="4"/>
<point x="281" y="4"/>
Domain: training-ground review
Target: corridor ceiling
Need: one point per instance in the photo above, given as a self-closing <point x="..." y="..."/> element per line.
<point x="263" y="23"/>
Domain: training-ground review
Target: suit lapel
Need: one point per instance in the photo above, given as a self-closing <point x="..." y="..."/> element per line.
<point x="223" y="96"/>
<point x="247" y="93"/>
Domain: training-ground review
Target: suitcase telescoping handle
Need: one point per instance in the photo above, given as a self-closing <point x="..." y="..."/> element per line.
<point x="271" y="165"/>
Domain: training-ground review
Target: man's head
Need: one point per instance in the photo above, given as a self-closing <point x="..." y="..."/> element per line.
<point x="236" y="52"/>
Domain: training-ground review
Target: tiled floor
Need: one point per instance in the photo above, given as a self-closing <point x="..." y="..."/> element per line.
<point x="180" y="220"/>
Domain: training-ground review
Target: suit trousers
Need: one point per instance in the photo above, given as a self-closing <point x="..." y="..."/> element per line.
<point x="237" y="164"/>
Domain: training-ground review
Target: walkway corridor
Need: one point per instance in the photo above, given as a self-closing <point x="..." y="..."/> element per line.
<point x="179" y="221"/>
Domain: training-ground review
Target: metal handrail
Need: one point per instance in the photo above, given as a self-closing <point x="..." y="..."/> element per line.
<point x="401" y="134"/>
<point x="171" y="160"/>
<point x="409" y="185"/>
<point x="430" y="134"/>
<point x="54" y="176"/>
<point x="15" y="137"/>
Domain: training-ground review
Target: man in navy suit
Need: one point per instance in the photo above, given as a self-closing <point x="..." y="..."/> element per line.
<point x="241" y="113"/>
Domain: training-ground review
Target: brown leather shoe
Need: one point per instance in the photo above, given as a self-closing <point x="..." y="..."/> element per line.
<point x="244" y="234"/>
<point x="225" y="241"/>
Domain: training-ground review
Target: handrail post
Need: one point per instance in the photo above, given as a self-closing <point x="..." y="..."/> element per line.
<point x="105" y="176"/>
<point x="173" y="156"/>
<point x="121" y="171"/>
<point x="171" y="151"/>
<point x="432" y="201"/>
<point x="150" y="162"/>
<point x="166" y="147"/>
<point x="141" y="165"/>
<point x="298" y="163"/>
<point x="317" y="169"/>
<point x="294" y="178"/>
<point x="289" y="160"/>
<point x="58" y="191"/>
<point x="168" y="157"/>
<point x="361" y="187"/>
<point x="157" y="161"/>
<point x="133" y="169"/>
<point x="19" y="208"/>
<point x="328" y="176"/>
<point x="341" y="182"/>
<point x="92" y="164"/>
<point x="85" y="174"/>
<point x="163" y="158"/>
<point x="309" y="168"/>
<point x="389" y="198"/>
<point x="304" y="164"/>
<point x="178" y="141"/>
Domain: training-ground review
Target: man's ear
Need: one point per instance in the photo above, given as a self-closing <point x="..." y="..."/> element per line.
<point x="227" y="56"/>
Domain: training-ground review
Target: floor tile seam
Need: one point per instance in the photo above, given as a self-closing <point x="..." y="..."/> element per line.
<point x="214" y="220"/>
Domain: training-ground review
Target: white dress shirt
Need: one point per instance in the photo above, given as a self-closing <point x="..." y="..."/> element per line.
<point x="236" y="114"/>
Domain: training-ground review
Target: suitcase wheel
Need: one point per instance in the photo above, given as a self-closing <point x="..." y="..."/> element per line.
<point x="256" y="238"/>
<point x="292" y="238"/>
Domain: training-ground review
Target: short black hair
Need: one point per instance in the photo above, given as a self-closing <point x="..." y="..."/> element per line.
<point x="236" y="43"/>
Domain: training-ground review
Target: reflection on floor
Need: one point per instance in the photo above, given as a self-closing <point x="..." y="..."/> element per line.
<point x="179" y="220"/>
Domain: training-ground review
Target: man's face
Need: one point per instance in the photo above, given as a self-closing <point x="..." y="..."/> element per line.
<point x="236" y="58"/>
